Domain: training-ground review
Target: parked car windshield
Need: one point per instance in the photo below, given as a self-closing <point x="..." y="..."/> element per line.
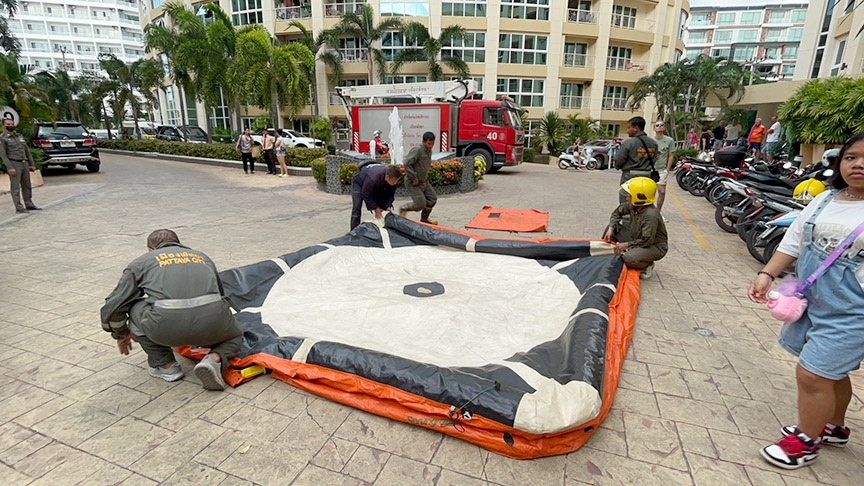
<point x="61" y="132"/>
<point x="295" y="134"/>
<point x="195" y="133"/>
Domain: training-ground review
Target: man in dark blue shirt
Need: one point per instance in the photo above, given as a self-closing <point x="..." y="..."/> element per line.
<point x="374" y="184"/>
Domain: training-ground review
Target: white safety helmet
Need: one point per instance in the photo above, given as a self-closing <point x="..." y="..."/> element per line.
<point x="376" y="133"/>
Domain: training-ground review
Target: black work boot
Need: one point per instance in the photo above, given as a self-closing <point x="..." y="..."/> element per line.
<point x="424" y="217"/>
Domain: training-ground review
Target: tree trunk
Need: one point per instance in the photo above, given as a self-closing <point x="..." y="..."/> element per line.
<point x="107" y="120"/>
<point x="274" y="103"/>
<point x="209" y="123"/>
<point x="134" y="103"/>
<point x="371" y="65"/>
<point x="238" y="120"/>
<point x="314" y="109"/>
<point x="182" y="97"/>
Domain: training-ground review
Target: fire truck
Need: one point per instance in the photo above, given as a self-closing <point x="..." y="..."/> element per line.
<point x="487" y="129"/>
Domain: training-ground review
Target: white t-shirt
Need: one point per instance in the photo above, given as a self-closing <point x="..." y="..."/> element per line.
<point x="280" y="144"/>
<point x="834" y="224"/>
<point x="774" y="137"/>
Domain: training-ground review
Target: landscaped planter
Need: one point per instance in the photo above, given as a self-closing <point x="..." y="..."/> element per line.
<point x="334" y="185"/>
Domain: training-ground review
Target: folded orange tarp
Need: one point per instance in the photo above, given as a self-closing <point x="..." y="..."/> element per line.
<point x="518" y="220"/>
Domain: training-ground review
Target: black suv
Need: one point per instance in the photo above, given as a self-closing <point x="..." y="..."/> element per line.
<point x="182" y="133"/>
<point x="66" y="144"/>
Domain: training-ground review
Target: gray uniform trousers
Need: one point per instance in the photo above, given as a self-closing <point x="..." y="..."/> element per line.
<point x="20" y="182"/>
<point x="422" y="196"/>
<point x="209" y="326"/>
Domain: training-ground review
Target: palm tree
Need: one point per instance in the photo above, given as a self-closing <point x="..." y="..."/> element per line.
<point x="429" y="50"/>
<point x="222" y="39"/>
<point x="362" y="26"/>
<point x="665" y="84"/>
<point x="21" y="93"/>
<point x="329" y="57"/>
<point x="64" y="90"/>
<point x="551" y="133"/>
<point x="585" y="128"/>
<point x="272" y="74"/>
<point x="8" y="42"/>
<point x="129" y="80"/>
<point x="164" y="40"/>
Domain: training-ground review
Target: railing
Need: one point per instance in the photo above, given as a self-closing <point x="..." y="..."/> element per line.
<point x="334" y="98"/>
<point x="581" y="16"/>
<point x="64" y="32"/>
<point x="37" y="29"/>
<point x="354" y="54"/>
<point x="294" y="13"/>
<point x="624" y="64"/>
<point x="78" y="15"/>
<point x="615" y="104"/>
<point x="578" y="60"/>
<point x="126" y="20"/>
<point x="40" y="48"/>
<point x="84" y="50"/>
<point x="571" y="102"/>
<point x="133" y="38"/>
<point x="631" y="23"/>
<point x="340" y="9"/>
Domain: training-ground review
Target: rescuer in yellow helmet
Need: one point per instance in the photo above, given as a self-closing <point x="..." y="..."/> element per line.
<point x="644" y="241"/>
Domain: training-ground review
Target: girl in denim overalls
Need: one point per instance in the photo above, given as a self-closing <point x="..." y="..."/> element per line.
<point x="829" y="338"/>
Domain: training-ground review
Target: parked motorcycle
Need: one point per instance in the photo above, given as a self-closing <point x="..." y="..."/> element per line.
<point x="583" y="160"/>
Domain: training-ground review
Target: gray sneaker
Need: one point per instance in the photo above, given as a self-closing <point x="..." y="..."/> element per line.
<point x="210" y="374"/>
<point x="172" y="373"/>
<point x="647" y="272"/>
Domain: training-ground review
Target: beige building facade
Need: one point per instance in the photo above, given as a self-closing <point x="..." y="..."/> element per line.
<point x="570" y="56"/>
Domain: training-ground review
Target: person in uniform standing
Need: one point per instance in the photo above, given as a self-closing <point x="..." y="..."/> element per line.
<point x="19" y="164"/>
<point x="168" y="297"/>
<point x="636" y="156"/>
<point x="417" y="165"/>
<point x="268" y="144"/>
<point x="647" y="240"/>
<point x="374" y="184"/>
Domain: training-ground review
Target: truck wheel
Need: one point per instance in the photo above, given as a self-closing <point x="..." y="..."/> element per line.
<point x="92" y="167"/>
<point x="486" y="156"/>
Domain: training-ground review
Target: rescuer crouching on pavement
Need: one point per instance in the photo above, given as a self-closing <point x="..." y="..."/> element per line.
<point x="417" y="165"/>
<point x="645" y="241"/>
<point x="172" y="296"/>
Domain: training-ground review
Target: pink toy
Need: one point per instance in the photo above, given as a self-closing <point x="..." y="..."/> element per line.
<point x="786" y="308"/>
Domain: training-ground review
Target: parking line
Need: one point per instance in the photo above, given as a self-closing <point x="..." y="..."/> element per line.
<point x="698" y="234"/>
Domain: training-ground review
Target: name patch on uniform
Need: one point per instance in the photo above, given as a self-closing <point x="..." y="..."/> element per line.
<point x="166" y="259"/>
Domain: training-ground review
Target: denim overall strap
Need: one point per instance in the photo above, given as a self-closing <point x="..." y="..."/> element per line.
<point x="811" y="223"/>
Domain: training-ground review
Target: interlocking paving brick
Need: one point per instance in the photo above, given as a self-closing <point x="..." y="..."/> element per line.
<point x="316" y="476"/>
<point x="334" y="454"/>
<point x="76" y="423"/>
<point x="126" y="441"/>
<point x="399" y="471"/>
<point x="366" y="463"/>
<point x="653" y="441"/>
<point x="162" y="460"/>
<point x="390" y="435"/>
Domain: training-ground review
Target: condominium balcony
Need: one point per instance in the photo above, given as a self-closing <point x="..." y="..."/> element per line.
<point x="615" y="104"/>
<point x="578" y="60"/>
<point x="572" y="102"/>
<point x="340" y="9"/>
<point x="294" y="13"/>
<point x="632" y="23"/>
<point x="581" y="16"/>
<point x="353" y="54"/>
<point x="624" y="64"/>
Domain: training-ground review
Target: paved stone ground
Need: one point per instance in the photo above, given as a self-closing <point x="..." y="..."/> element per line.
<point x="689" y="409"/>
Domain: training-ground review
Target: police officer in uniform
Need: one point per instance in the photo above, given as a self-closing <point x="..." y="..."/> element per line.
<point x="168" y="297"/>
<point x="417" y="165"/>
<point x="19" y="163"/>
<point x="635" y="158"/>
<point x="374" y="184"/>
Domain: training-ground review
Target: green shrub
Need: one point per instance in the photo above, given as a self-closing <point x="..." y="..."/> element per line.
<point x="686" y="153"/>
<point x="319" y="170"/>
<point x="528" y="155"/>
<point x="297" y="157"/>
<point x="444" y="173"/>
<point x="346" y="173"/>
<point x="479" y="169"/>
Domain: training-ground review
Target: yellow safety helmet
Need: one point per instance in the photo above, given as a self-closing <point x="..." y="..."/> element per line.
<point x="642" y="190"/>
<point x="807" y="190"/>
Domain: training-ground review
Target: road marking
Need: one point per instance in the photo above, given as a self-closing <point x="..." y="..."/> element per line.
<point x="698" y="234"/>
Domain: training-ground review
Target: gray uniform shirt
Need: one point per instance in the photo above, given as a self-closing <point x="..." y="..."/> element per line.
<point x="632" y="155"/>
<point x="14" y="147"/>
<point x="647" y="228"/>
<point x="171" y="271"/>
<point x="417" y="165"/>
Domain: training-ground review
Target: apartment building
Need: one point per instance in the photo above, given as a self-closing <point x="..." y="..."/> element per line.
<point x="835" y="44"/>
<point x="570" y="56"/>
<point x="70" y="34"/>
<point x="765" y="36"/>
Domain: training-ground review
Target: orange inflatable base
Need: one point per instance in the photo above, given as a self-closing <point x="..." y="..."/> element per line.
<point x="399" y="405"/>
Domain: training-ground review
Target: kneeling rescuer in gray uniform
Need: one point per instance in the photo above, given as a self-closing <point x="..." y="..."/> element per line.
<point x="172" y="296"/>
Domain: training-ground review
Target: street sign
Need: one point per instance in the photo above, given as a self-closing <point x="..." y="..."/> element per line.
<point x="9" y="113"/>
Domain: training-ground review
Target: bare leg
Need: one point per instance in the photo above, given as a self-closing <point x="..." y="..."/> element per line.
<point x="661" y="196"/>
<point x="282" y="166"/>
<point x="842" y="395"/>
<point x="817" y="402"/>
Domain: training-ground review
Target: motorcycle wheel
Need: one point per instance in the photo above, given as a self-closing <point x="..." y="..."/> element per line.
<point x="713" y="191"/>
<point x="680" y="174"/>
<point x="727" y="222"/>
<point x="592" y="164"/>
<point x="563" y="165"/>
<point x="696" y="187"/>
<point x="771" y="248"/>
<point x="755" y="245"/>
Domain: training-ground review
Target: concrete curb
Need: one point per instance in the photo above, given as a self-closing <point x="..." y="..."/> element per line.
<point x="234" y="164"/>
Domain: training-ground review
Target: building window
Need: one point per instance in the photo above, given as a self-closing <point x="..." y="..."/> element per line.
<point x="404" y="8"/>
<point x="191" y="109"/>
<point x="748" y="35"/>
<point x="522" y="49"/>
<point x="404" y="79"/>
<point x="798" y="17"/>
<point x="354" y="82"/>
<point x="464" y="8"/>
<point x="525" y="9"/>
<point x="472" y="49"/>
<point x="790" y="53"/>
<point x="531" y="129"/>
<point x="751" y="18"/>
<point x="722" y="36"/>
<point x="697" y="37"/>
<point x="727" y="18"/>
<point x="693" y="53"/>
<point x="772" y="53"/>
<point x="777" y="17"/>
<point x="744" y="54"/>
<point x="156" y="3"/>
<point x="624" y="17"/>
<point x="850" y="6"/>
<point x="619" y="58"/>
<point x="720" y="53"/>
<point x="220" y="116"/>
<point x="794" y="35"/>
<point x="612" y="129"/>
<point x="245" y="12"/>
<point x="787" y="71"/>
<point x="701" y="19"/>
<point x="171" y="111"/>
<point x="301" y="126"/>
<point x="393" y="42"/>
<point x="838" y="58"/>
<point x="576" y="54"/>
<point x="615" y="98"/>
<point x="572" y="96"/>
<point x="682" y="21"/>
<point x="773" y="35"/>
<point x="526" y="92"/>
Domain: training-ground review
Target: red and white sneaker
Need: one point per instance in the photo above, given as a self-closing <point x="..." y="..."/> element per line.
<point x="835" y="438"/>
<point x="791" y="452"/>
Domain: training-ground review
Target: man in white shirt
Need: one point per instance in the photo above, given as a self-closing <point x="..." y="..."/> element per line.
<point x="772" y="140"/>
